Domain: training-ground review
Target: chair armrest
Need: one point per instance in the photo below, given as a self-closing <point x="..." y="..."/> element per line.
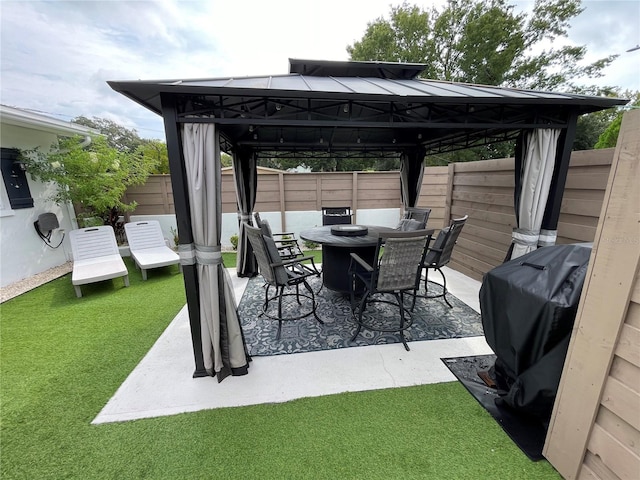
<point x="291" y="261"/>
<point x="363" y="264"/>
<point x="285" y="234"/>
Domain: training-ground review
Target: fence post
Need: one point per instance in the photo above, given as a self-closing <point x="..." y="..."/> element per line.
<point x="449" y="198"/>
<point x="354" y="197"/>
<point x="283" y="206"/>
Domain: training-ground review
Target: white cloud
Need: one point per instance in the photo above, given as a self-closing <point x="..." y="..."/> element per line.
<point x="57" y="55"/>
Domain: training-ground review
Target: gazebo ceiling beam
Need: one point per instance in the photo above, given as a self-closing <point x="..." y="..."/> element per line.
<point x="519" y="123"/>
<point x="372" y="115"/>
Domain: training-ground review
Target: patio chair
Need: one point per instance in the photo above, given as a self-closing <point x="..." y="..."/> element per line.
<point x="414" y="219"/>
<point x="95" y="257"/>
<point x="286" y="242"/>
<point x="336" y="215"/>
<point x="396" y="272"/>
<point x="282" y="274"/>
<point x="439" y="255"/>
<point x="148" y="247"/>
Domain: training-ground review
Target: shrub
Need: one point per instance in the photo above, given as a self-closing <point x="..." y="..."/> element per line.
<point x="310" y="245"/>
<point x="234" y="241"/>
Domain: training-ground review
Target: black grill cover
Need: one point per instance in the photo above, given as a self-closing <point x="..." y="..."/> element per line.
<point x="528" y="307"/>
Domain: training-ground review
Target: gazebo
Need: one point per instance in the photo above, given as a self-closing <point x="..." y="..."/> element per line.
<point x="341" y="110"/>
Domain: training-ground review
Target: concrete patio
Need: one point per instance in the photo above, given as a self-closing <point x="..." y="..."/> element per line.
<point x="162" y="383"/>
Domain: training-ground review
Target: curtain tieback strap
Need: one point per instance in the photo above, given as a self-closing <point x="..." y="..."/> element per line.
<point x="206" y="255"/>
<point x="522" y="236"/>
<point x="244" y="217"/>
<point x="547" y="238"/>
<point x="190" y="254"/>
<point x="187" y="254"/>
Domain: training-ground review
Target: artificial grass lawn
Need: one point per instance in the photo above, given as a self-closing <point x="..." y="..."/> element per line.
<point x="62" y="358"/>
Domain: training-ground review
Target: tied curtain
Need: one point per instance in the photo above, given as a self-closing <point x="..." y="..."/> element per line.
<point x="535" y="160"/>
<point x="411" y="173"/>
<point x="223" y="347"/>
<point x="246" y="179"/>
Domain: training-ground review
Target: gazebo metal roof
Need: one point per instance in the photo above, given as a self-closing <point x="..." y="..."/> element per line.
<point x="366" y="109"/>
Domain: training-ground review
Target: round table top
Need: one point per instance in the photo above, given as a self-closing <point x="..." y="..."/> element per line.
<point x="323" y="236"/>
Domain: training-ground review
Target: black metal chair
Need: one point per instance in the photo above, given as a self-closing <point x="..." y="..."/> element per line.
<point x="286" y="242"/>
<point x="395" y="272"/>
<point x="414" y="219"/>
<point x="282" y="274"/>
<point x="438" y="255"/>
<point x="336" y="215"/>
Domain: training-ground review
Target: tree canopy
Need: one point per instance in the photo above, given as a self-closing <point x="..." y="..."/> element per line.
<point x="93" y="178"/>
<point x="487" y="42"/>
<point x="483" y="42"/>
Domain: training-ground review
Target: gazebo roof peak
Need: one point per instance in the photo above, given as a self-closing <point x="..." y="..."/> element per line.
<point x="372" y="69"/>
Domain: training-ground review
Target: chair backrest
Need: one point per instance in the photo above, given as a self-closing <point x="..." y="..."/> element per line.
<point x="440" y="253"/>
<point x="266" y="252"/>
<point x="419" y="214"/>
<point x="263" y="225"/>
<point x="399" y="266"/>
<point x="336" y="215"/>
<point x="93" y="242"/>
<point x="142" y="235"/>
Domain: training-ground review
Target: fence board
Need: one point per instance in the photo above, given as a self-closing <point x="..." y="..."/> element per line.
<point x="483" y="190"/>
<point x="614" y="455"/>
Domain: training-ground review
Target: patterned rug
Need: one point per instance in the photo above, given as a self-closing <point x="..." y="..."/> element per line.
<point x="432" y="320"/>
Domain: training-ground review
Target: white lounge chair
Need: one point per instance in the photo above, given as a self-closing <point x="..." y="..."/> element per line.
<point x="148" y="247"/>
<point x="95" y="257"/>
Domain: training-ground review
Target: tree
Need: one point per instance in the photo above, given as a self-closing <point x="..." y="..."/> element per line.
<point x="609" y="137"/>
<point x="482" y="42"/>
<point x="121" y="138"/>
<point x="154" y="152"/>
<point x="94" y="178"/>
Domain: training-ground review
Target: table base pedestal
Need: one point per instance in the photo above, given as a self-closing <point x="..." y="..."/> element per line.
<point x="335" y="265"/>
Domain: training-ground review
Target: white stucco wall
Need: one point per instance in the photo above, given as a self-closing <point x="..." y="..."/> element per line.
<point x="22" y="252"/>
<point x="295" y="221"/>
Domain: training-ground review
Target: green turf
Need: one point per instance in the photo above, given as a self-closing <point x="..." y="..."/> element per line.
<point x="62" y="358"/>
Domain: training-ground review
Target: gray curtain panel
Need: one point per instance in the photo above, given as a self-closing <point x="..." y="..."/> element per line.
<point x="223" y="346"/>
<point x="246" y="178"/>
<point x="411" y="173"/>
<point x="536" y="162"/>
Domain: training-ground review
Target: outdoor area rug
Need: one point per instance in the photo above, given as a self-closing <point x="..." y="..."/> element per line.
<point x="526" y="432"/>
<point x="432" y="320"/>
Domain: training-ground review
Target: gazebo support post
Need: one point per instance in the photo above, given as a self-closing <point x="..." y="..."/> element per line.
<point x="556" y="189"/>
<point x="183" y="220"/>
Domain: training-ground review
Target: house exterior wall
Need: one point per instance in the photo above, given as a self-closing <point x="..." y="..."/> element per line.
<point x="22" y="252"/>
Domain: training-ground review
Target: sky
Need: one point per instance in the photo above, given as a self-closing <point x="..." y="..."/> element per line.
<point x="56" y="56"/>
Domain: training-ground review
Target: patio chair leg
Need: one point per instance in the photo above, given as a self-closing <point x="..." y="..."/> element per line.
<point x="313" y="302"/>
<point x="298" y="294"/>
<point x="279" y="313"/>
<point x="355" y="335"/>
<point x="78" y="291"/>
<point x="444" y="288"/>
<point x="400" y="299"/>
<point x="126" y="280"/>
<point x="144" y="273"/>
<point x="362" y="302"/>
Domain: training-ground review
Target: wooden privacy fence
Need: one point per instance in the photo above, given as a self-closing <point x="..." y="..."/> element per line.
<point x="483" y="190"/>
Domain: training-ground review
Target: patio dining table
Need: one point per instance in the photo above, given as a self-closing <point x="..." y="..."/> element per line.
<point x="337" y="250"/>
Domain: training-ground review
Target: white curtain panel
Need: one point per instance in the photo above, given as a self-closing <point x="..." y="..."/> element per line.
<point x="537" y="171"/>
<point x="223" y="346"/>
